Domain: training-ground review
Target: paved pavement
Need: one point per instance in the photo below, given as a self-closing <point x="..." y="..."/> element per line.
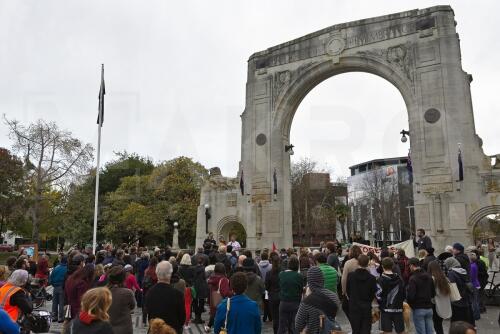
<point x="487" y="325"/>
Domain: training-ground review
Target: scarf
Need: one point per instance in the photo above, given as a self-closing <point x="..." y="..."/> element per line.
<point x="86" y="318"/>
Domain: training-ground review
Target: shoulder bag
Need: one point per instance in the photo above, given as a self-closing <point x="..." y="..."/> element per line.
<point x="454" y="293"/>
<point x="228" y="307"/>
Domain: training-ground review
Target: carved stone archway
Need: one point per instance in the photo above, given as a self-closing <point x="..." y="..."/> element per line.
<point x="228" y="225"/>
<point x="418" y="51"/>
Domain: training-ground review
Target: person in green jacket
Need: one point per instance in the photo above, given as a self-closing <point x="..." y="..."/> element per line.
<point x="329" y="273"/>
<point x="291" y="289"/>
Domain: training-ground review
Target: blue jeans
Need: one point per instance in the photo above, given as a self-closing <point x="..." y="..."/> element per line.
<point x="58" y="304"/>
<point x="422" y="318"/>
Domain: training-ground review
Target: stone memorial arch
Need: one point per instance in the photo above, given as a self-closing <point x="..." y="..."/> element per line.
<point x="418" y="51"/>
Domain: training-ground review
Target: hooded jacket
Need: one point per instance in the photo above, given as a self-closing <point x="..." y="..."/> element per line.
<point x="361" y="289"/>
<point x="391" y="292"/>
<point x="458" y="275"/>
<point x="420" y="290"/>
<point x="256" y="288"/>
<point x="321" y="301"/>
<point x="264" y="268"/>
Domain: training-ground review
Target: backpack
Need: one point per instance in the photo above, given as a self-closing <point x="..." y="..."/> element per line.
<point x="147" y="282"/>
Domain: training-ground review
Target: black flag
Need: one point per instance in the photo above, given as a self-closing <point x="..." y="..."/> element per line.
<point x="102" y="91"/>
<point x="460" y="166"/>
<point x="275" y="181"/>
<point x="242" y="184"/>
<point x="409" y="167"/>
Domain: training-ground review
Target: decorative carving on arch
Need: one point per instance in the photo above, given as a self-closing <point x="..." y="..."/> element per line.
<point x="483" y="212"/>
<point x="283" y="79"/>
<point x="401" y="56"/>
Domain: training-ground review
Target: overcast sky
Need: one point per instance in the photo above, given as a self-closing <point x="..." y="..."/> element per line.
<point x="176" y="74"/>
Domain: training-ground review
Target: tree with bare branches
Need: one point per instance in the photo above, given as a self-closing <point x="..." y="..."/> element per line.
<point x="52" y="156"/>
<point x="381" y="191"/>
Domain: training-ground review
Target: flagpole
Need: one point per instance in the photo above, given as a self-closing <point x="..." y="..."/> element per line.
<point x="100" y="120"/>
<point x="96" y="205"/>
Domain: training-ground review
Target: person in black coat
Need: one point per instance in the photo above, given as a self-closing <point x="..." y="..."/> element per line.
<point x="420" y="292"/>
<point x="172" y="312"/>
<point x="422" y="241"/>
<point x="458" y="253"/>
<point x="273" y="290"/>
<point x="201" y="286"/>
<point x="360" y="290"/>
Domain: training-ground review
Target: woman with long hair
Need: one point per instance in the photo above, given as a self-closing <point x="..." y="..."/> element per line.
<point x="442" y="303"/>
<point x="42" y="269"/>
<point x="93" y="317"/>
<point x="76" y="285"/>
<point x="219" y="288"/>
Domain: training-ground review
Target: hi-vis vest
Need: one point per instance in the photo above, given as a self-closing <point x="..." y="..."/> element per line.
<point x="6" y="292"/>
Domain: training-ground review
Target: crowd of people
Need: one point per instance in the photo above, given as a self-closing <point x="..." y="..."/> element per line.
<point x="297" y="290"/>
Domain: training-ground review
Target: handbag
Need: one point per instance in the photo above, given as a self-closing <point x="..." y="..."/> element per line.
<point x="223" y="330"/>
<point x="454" y="293"/>
<point x="67" y="312"/>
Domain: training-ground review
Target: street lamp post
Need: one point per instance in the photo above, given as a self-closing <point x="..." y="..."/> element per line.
<point x="372" y="230"/>
<point x="207" y="216"/>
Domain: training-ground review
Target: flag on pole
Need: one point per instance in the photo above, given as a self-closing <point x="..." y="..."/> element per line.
<point x="409" y="167"/>
<point x="275" y="249"/>
<point x="102" y="91"/>
<point x="275" y="182"/>
<point x="460" y="165"/>
<point x="242" y="184"/>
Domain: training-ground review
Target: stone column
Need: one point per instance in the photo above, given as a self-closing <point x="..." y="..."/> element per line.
<point x="175" y="239"/>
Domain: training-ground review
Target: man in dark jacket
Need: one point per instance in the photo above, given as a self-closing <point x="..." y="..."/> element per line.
<point x="422" y="241"/>
<point x="360" y="290"/>
<point x="390" y="296"/>
<point x="458" y="253"/>
<point x="419" y="295"/>
<point x="173" y="311"/>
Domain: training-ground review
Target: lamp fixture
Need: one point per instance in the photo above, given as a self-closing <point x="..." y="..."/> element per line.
<point x="289" y="149"/>
<point x="404" y="133"/>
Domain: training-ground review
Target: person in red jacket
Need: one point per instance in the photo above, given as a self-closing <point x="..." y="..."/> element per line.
<point x="220" y="288"/>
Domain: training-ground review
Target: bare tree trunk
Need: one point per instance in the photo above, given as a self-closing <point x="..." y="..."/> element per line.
<point x="35" y="217"/>
<point x="342" y="227"/>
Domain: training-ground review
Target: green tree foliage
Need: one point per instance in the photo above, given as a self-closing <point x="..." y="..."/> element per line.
<point x="126" y="164"/>
<point x="12" y="189"/>
<point x="144" y="207"/>
<point x="79" y="207"/>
